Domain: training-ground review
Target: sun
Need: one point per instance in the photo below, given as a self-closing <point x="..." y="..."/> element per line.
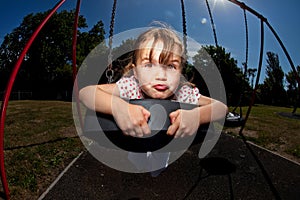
<point x="215" y="2"/>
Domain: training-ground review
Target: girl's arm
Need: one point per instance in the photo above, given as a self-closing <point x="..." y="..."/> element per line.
<point x="211" y="109"/>
<point x="99" y="97"/>
<point x="131" y="119"/>
<point x="187" y="122"/>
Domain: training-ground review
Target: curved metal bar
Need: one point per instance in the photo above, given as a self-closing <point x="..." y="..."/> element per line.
<point x="269" y="181"/>
<point x="244" y="6"/>
<point x="74" y="42"/>
<point x="247" y="42"/>
<point x="285" y="51"/>
<point x="8" y="92"/>
<point x="74" y="64"/>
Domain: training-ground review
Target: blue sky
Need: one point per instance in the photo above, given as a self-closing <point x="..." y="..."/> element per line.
<point x="228" y="18"/>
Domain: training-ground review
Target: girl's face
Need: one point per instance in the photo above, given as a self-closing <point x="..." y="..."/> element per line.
<point x="156" y="79"/>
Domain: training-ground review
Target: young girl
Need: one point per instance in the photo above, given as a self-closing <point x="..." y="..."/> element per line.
<point x="154" y="71"/>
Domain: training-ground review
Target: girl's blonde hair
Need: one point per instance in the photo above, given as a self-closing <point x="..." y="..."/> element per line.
<point x="170" y="40"/>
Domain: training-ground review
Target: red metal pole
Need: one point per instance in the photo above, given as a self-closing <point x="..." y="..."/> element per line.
<point x="75" y="38"/>
<point x="8" y="92"/>
<point x="74" y="62"/>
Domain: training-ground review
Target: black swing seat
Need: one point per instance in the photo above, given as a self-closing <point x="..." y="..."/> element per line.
<point x="233" y="120"/>
<point x="159" y="122"/>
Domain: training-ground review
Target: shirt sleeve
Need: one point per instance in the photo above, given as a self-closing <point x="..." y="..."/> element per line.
<point x="128" y="88"/>
<point x="188" y="94"/>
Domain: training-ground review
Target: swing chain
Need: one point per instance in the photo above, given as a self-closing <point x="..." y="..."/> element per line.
<point x="110" y="72"/>
<point x="109" y="75"/>
<point x="184" y="28"/>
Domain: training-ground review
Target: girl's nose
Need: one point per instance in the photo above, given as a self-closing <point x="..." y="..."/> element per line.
<point x="161" y="73"/>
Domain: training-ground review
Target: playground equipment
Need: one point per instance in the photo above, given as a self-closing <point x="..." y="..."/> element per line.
<point x="263" y="21"/>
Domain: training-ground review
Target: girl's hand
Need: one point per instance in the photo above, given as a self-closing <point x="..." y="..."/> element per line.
<point x="132" y="119"/>
<point x="183" y="123"/>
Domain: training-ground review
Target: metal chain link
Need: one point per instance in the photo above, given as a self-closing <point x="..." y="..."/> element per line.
<point x="110" y="72"/>
<point x="184" y="28"/>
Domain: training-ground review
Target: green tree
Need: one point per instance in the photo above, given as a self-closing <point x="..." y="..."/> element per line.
<point x="273" y="92"/>
<point x="293" y="91"/>
<point x="87" y="41"/>
<point x="46" y="68"/>
<point x="233" y="78"/>
<point x="250" y="75"/>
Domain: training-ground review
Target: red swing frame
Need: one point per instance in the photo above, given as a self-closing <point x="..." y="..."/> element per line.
<point x="58" y="5"/>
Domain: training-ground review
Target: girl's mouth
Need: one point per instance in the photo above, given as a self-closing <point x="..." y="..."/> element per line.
<point x="160" y="87"/>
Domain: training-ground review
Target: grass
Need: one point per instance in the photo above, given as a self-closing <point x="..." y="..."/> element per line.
<point x="268" y="129"/>
<point x="41" y="140"/>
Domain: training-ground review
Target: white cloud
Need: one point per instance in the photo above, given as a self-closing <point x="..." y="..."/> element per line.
<point x="203" y="20"/>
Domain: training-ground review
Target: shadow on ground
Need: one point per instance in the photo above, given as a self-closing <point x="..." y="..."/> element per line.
<point x="230" y="171"/>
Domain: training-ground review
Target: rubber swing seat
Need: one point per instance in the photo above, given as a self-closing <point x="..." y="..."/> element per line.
<point x="233" y="120"/>
<point x="105" y="126"/>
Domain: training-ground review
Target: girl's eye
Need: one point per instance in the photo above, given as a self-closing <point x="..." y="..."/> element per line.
<point x="148" y="65"/>
<point x="171" y="66"/>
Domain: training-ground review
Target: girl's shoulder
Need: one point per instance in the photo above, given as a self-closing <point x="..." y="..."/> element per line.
<point x="128" y="87"/>
<point x="188" y="94"/>
<point x="188" y="89"/>
<point x="128" y="81"/>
